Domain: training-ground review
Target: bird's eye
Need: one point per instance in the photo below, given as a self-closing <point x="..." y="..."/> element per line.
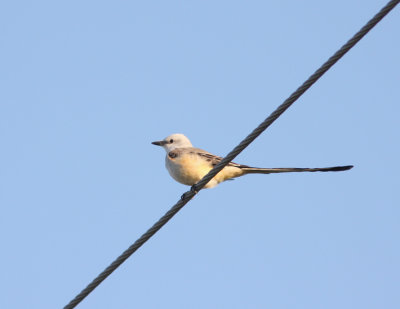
<point x="171" y="141"/>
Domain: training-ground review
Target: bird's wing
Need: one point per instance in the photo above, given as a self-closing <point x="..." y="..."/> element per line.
<point x="213" y="159"/>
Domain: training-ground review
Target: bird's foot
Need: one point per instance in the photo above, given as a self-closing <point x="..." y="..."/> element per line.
<point x="193" y="189"/>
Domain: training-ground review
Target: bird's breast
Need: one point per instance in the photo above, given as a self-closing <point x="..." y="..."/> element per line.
<point x="187" y="168"/>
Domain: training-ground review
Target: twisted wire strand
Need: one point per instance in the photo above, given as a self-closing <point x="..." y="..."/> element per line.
<point x="187" y="196"/>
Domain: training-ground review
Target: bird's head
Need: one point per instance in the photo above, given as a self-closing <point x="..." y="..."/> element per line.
<point x="173" y="141"/>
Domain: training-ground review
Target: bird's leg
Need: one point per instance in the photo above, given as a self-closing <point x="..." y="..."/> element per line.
<point x="194" y="189"/>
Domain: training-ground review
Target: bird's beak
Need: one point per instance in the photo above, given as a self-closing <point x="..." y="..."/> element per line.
<point x="159" y="143"/>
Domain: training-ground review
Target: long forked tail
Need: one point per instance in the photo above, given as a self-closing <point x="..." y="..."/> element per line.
<point x="257" y="170"/>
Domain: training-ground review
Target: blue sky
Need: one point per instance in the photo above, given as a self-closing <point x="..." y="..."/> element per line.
<point x="86" y="86"/>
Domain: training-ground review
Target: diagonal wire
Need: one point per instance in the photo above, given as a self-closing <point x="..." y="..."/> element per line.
<point x="187" y="196"/>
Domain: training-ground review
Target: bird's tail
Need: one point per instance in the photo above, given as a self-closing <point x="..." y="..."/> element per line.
<point x="258" y="170"/>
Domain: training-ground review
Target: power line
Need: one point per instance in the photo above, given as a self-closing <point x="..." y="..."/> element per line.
<point x="187" y="196"/>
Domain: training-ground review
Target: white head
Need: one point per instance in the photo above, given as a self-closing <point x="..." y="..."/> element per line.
<point x="174" y="141"/>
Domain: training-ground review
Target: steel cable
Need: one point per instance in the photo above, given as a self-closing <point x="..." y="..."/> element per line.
<point x="238" y="149"/>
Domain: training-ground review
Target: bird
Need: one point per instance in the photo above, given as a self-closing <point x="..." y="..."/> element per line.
<point x="188" y="165"/>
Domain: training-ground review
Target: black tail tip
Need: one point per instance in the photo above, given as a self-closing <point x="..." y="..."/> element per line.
<point x="342" y="168"/>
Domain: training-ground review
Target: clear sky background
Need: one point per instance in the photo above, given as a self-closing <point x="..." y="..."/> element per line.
<point x="86" y="86"/>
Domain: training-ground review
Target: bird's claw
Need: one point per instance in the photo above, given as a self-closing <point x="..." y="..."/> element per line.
<point x="193" y="189"/>
<point x="183" y="196"/>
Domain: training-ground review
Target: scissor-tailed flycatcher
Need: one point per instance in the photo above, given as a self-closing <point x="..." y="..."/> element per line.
<point x="188" y="165"/>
